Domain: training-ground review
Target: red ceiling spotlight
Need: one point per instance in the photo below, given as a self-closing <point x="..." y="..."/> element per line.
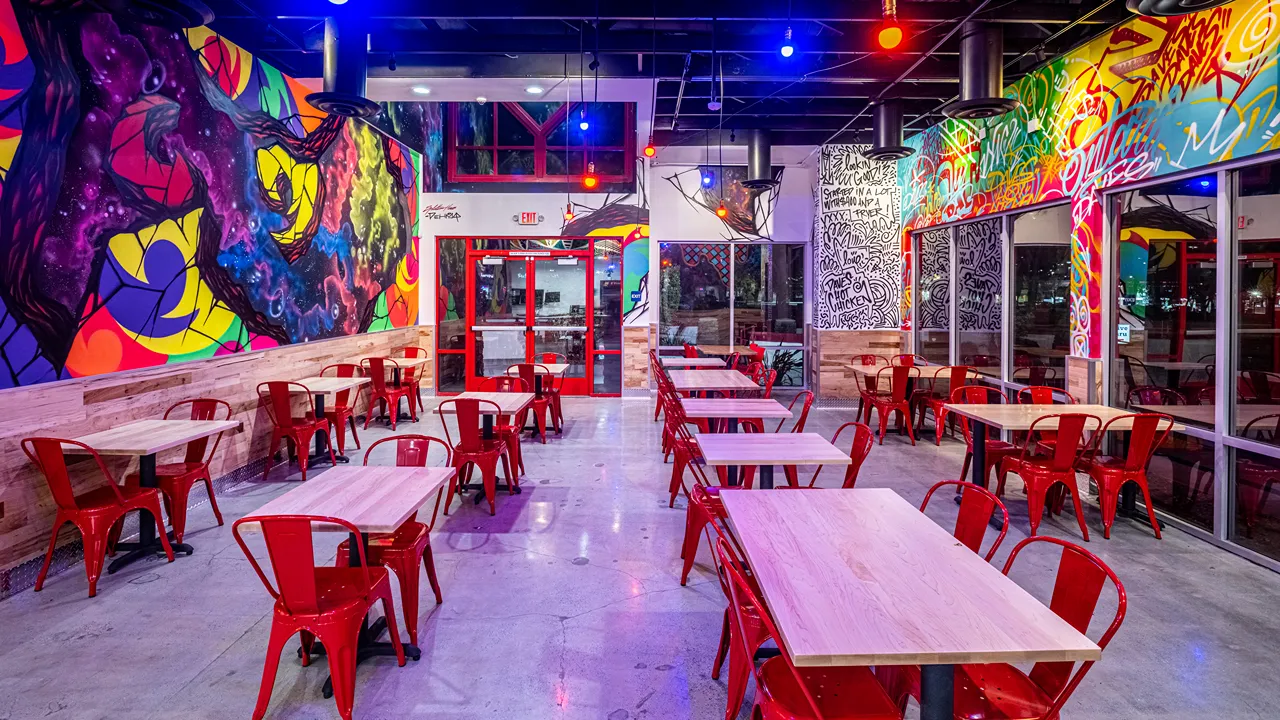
<point x="590" y="181"/>
<point x="722" y="211"/>
<point x="650" y="150"/>
<point x="890" y="35"/>
<point x="568" y="211"/>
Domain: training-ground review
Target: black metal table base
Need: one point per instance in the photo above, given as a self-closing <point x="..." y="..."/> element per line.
<point x="766" y="477"/>
<point x="978" y="468"/>
<point x="731" y="426"/>
<point x="937" y="692"/>
<point x="368" y="646"/>
<point x="138" y="551"/>
<point x="481" y="495"/>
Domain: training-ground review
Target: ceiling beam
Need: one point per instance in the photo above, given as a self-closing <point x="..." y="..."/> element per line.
<point x="799" y="107"/>
<point x="815" y="123"/>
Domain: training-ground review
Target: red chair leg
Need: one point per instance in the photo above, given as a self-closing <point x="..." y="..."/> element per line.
<point x="341" y="430"/>
<point x="213" y="500"/>
<point x="677" y="477"/>
<point x="271" y="456"/>
<point x="389" y="612"/>
<point x="1107" y="499"/>
<point x="1035" y="505"/>
<point x="58" y="522"/>
<point x="351" y="419"/>
<point x="280" y="634"/>
<point x="489" y="476"/>
<point x="1075" y="500"/>
<point x="429" y="563"/>
<point x="406" y="570"/>
<point x="739" y="674"/>
<point x="911" y="433"/>
<point x="695" y="521"/>
<point x="723" y="650"/>
<point x="339" y="642"/>
<point x="1151" y="511"/>
<point x="792" y="475"/>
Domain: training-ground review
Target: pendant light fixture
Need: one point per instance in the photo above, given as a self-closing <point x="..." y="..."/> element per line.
<point x="981" y="74"/>
<point x="889" y="34"/>
<point x="886" y="133"/>
<point x="1171" y="8"/>
<point x="649" y="149"/>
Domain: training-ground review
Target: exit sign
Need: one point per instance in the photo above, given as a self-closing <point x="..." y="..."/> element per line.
<point x="528" y="218"/>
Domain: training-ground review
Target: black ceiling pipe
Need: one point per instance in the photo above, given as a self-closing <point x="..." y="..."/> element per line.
<point x="172" y="14"/>
<point x="346" y="42"/>
<point x="1170" y="8"/>
<point x="759" y="161"/>
<point x="886" y="136"/>
<point x="981" y="74"/>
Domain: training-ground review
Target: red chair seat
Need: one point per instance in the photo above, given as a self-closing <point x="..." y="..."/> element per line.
<point x="340" y="590"/>
<point x="998" y="692"/>
<point x="103" y="499"/>
<point x="851" y="692"/>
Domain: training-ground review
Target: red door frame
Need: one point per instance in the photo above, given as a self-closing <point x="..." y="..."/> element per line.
<point x="572" y="386"/>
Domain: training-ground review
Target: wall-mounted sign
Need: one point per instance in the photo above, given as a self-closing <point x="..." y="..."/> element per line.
<point x="635" y="296"/>
<point x="441" y="212"/>
<point x="527" y="218"/>
<point x="1122" y="332"/>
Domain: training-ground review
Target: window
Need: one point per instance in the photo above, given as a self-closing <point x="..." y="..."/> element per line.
<point x="979" y="260"/>
<point x="695" y="294"/>
<point x="540" y="141"/>
<point x="451" y="315"/>
<point x="933" y="315"/>
<point x="1257" y="312"/>
<point x="1041" y="296"/>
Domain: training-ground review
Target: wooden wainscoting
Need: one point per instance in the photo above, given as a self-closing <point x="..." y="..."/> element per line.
<point x="75" y="407"/>
<point x="833" y="349"/>
<point x="635" y="356"/>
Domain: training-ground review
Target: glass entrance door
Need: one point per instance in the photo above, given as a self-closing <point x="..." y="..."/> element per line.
<point x="530" y="306"/>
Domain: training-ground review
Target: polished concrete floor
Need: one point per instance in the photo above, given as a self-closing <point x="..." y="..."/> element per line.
<point x="567" y="604"/>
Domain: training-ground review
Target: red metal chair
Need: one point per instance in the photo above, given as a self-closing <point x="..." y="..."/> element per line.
<point x="93" y="512"/>
<point x="410" y="545"/>
<point x="1042" y="395"/>
<point x="685" y="449"/>
<point x="863" y="439"/>
<point x="473" y="450"/>
<point x="690" y="351"/>
<point x="933" y="400"/>
<point x="278" y="400"/>
<point x="382" y="391"/>
<point x="1003" y="692"/>
<point x="655" y="367"/>
<point x="551" y="389"/>
<point x="996" y="449"/>
<point x="1153" y="395"/>
<point x="867" y="360"/>
<point x="175" y="480"/>
<point x="541" y="405"/>
<point x="1111" y="473"/>
<point x="782" y="689"/>
<point x="870" y="360"/>
<point x="325" y="603"/>
<point x="909" y="360"/>
<point x="977" y="506"/>
<point x="412" y="377"/>
<point x="508" y="427"/>
<point x="343" y="412"/>
<point x="897" y="400"/>
<point x="1041" y="473"/>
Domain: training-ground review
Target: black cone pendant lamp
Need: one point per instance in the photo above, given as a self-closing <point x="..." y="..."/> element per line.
<point x="1169" y="8"/>
<point x="886" y="140"/>
<point x="981" y="74"/>
<point x="346" y="65"/>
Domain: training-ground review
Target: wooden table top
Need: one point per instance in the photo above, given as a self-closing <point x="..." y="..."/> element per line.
<point x="147" y="437"/>
<point x="551" y="369"/>
<point x="405" y="363"/>
<point x="1203" y="414"/>
<point x="702" y="380"/>
<point x="1175" y="364"/>
<point x="701" y="362"/>
<point x="1020" y="417"/>
<point x="329" y="385"/>
<point x="734" y="408"/>
<point x="860" y="577"/>
<point x="509" y="403"/>
<point x="376" y="499"/>
<point x="927" y="372"/>
<point x="769" y="449"/>
<point x="718" y="349"/>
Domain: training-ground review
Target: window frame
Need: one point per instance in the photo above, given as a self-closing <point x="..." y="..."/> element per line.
<point x="540" y="146"/>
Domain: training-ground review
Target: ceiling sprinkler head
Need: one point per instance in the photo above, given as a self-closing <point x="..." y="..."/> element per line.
<point x="714" y="105"/>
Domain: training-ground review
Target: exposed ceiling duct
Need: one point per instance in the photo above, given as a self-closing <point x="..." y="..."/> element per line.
<point x="1169" y="8"/>
<point x="886" y="139"/>
<point x="346" y="42"/>
<point x="981" y="74"/>
<point x="759" y="162"/>
<point x="172" y="14"/>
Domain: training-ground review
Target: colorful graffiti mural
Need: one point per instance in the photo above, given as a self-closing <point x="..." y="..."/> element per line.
<point x="1149" y="97"/>
<point x="167" y="196"/>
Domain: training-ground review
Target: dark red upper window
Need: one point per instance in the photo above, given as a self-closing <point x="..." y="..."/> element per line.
<point x="540" y="141"/>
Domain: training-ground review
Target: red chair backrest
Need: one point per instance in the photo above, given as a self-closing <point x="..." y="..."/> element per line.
<point x="1043" y="395"/>
<point x="413" y="351"/>
<point x="957" y="375"/>
<point x="1265" y="434"/>
<point x="863" y="440"/>
<point x="342" y="370"/>
<point x="741" y="596"/>
<point x="1147" y="434"/>
<point x="277" y="397"/>
<point x="807" y="397"/>
<point x="769" y="377"/>
<point x="731" y="362"/>
<point x="467" y="413"/>
<point x="412" y="450"/>
<point x="690" y="351"/>
<point x="1070" y="441"/>
<point x="906" y="360"/>
<point x="977" y="505"/>
<point x="528" y="371"/>
<point x="1076" y="591"/>
<point x="377" y="368"/>
<point x="288" y="540"/>
<point x="975" y="395"/>
<point x="551" y="357"/>
<point x="504" y="383"/>
<point x="899" y="375"/>
<point x="757" y="352"/>
<point x="869" y="360"/>
<point x="202" y="409"/>
<point x="46" y="454"/>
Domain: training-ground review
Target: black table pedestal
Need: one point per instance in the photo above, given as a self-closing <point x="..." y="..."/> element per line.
<point x="766" y="477"/>
<point x="731" y="471"/>
<point x="320" y="454"/>
<point x="937" y="692"/>
<point x="148" y="544"/>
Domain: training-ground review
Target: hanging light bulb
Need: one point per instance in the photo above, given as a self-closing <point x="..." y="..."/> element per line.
<point x="890" y="34"/>
<point x="788" y="49"/>
<point x="582" y="122"/>
<point x="568" y="211"/>
<point x="650" y="150"/>
<point x="708" y="178"/>
<point x="722" y="211"/>
<point x="590" y="181"/>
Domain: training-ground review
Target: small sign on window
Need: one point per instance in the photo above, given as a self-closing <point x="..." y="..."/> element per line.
<point x="1122" y="333"/>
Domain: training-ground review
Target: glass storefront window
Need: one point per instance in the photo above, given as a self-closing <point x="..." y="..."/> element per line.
<point x="694" y="303"/>
<point x="1257" y="520"/>
<point x="1257" y="312"/>
<point x="768" y="306"/>
<point x="1166" y="297"/>
<point x="1041" y="296"/>
<point x="933" y="315"/>
<point x="980" y="266"/>
<point x="451" y="300"/>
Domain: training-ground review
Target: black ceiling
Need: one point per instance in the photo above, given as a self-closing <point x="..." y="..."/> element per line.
<point x="810" y="98"/>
